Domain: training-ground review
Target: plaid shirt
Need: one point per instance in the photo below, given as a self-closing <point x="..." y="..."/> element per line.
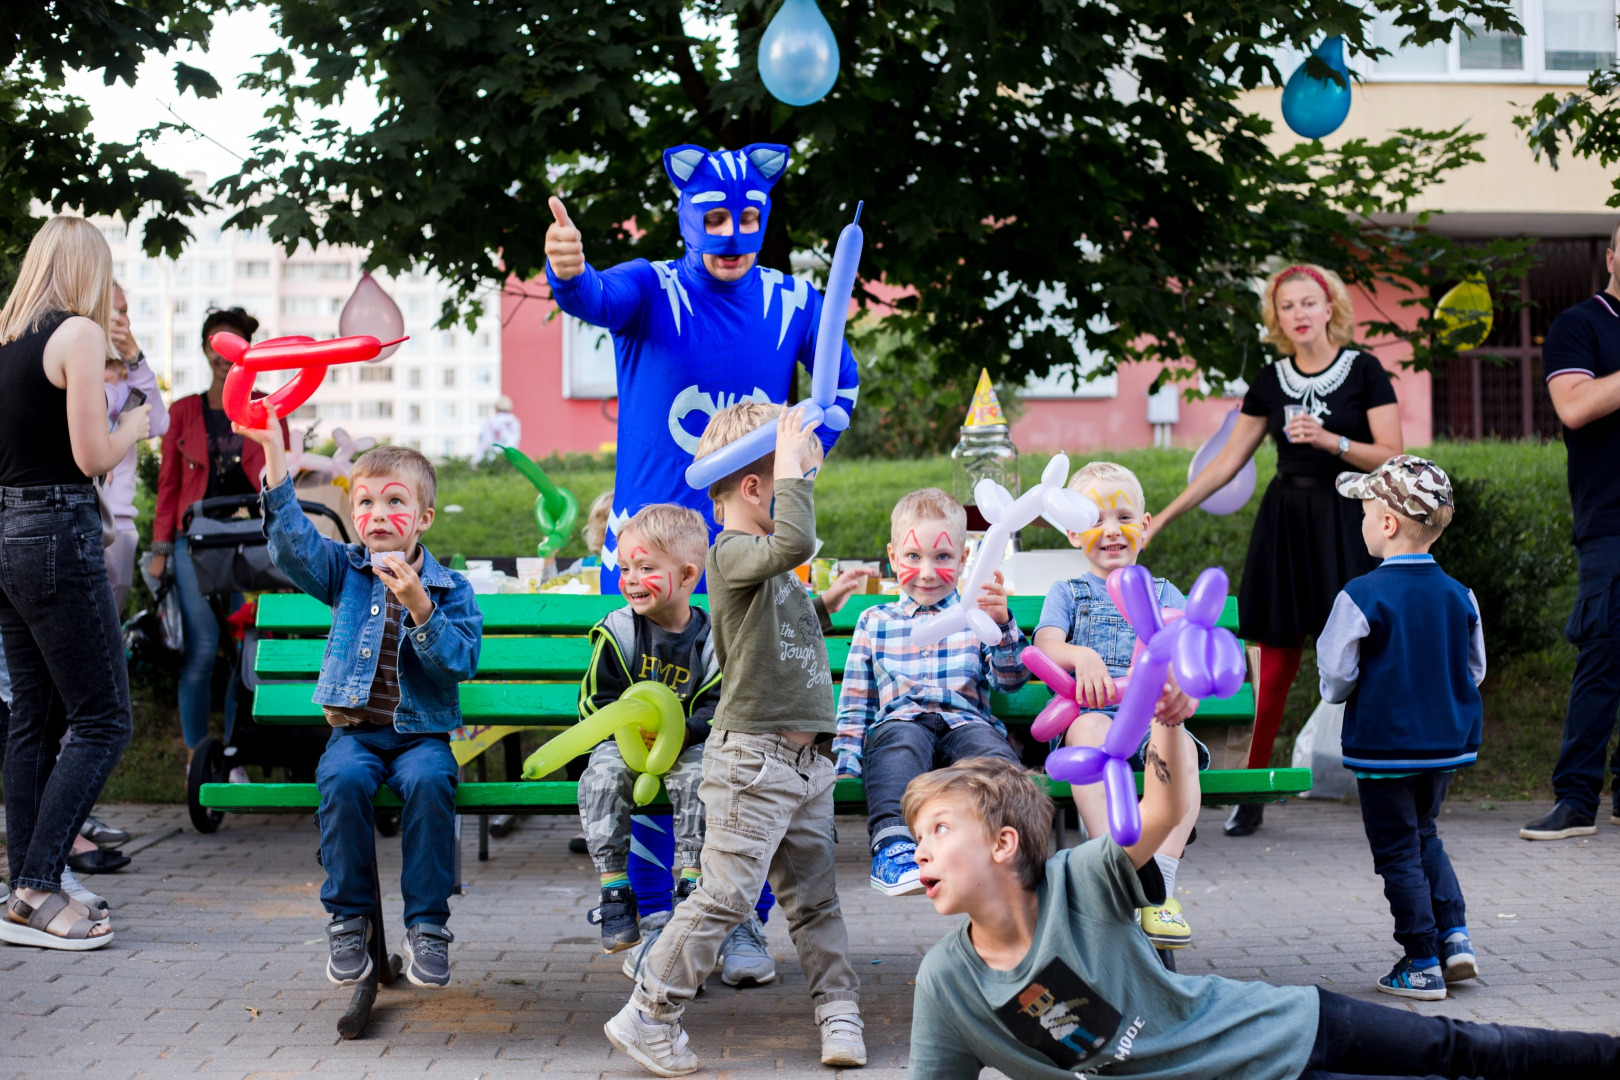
<point x="888" y="678"/>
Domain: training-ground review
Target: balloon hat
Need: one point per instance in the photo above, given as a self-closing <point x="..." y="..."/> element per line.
<point x="821" y="407"/>
<point x="646" y="706"/>
<point x="1066" y="509"/>
<point x="555" y="509"/>
<point x="1208" y="662"/>
<point x="311" y="358"/>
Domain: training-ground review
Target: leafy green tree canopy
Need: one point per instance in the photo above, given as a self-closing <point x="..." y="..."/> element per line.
<point x="1032" y="169"/>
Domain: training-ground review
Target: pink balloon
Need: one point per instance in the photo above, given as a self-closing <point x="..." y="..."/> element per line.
<point x="372" y="311"/>
<point x="1054" y="719"/>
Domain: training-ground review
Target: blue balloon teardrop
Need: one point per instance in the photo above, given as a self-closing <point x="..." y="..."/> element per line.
<point x="798" y="55"/>
<point x="1316" y="107"/>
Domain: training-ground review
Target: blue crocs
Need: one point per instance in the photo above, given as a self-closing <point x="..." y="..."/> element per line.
<point x="894" y="869"/>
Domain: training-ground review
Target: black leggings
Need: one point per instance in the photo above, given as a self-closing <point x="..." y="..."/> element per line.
<point x="1355" y="1038"/>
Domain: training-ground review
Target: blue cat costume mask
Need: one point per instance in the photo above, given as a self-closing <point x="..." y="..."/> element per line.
<point x="729" y="180"/>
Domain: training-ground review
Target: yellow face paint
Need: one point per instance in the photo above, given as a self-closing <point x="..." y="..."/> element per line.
<point x="1090" y="538"/>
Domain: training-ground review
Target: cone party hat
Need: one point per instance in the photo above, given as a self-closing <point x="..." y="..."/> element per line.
<point x="986" y="409"/>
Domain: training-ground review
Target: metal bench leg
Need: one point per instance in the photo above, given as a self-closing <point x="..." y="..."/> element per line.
<point x="385" y="968"/>
<point x="483" y="819"/>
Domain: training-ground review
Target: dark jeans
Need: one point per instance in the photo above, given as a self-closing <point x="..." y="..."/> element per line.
<point x="66" y="654"/>
<point x="899" y="751"/>
<point x="1594" y="694"/>
<point x="1419" y="884"/>
<point x="421" y="770"/>
<point x="1355" y="1038"/>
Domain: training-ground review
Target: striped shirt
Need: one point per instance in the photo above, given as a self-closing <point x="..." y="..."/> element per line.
<point x="379" y="708"/>
<point x="888" y="678"/>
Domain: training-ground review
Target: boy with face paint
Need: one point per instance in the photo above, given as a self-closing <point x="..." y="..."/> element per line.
<point x="405" y="635"/>
<point x="1083" y="632"/>
<point x="904" y="709"/>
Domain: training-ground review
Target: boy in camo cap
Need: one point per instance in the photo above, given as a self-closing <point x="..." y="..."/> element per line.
<point x="1403" y="649"/>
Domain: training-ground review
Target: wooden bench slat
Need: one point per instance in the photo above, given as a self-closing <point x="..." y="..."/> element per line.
<point x="296" y="613"/>
<point x="1219" y="786"/>
<point x="555" y="704"/>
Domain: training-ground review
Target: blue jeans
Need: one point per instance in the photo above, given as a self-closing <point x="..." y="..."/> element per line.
<point x="421" y="770"/>
<point x="66" y="656"/>
<point x="1419" y="883"/>
<point x="1594" y="694"/>
<point x="1358" y="1038"/>
<point x="899" y="751"/>
<point x="202" y="647"/>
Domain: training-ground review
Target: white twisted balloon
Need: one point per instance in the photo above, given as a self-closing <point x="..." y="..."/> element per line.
<point x="1066" y="509"/>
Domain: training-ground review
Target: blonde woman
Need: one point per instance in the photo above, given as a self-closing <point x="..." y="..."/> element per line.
<point x="57" y="618"/>
<point x="1330" y="408"/>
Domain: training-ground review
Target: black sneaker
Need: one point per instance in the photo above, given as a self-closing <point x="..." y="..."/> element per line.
<point x="348" y="950"/>
<point x="1559" y="823"/>
<point x="427" y="955"/>
<point x="620" y="921"/>
<point x="684" y="887"/>
<point x="1244" y="820"/>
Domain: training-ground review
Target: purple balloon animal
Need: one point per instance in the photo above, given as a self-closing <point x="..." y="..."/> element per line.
<point x="1208" y="662"/>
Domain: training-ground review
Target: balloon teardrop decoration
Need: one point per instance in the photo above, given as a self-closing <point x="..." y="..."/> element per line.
<point x="1234" y="494"/>
<point x="1315" y="107"/>
<point x="1465" y="314"/>
<point x="798" y="55"/>
<point x="370" y="310"/>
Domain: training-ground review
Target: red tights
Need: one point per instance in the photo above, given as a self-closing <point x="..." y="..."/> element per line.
<point x="1277" y="670"/>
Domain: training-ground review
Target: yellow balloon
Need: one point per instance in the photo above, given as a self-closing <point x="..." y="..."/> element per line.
<point x="646" y="706"/>
<point x="1465" y="314"/>
<point x="646" y="789"/>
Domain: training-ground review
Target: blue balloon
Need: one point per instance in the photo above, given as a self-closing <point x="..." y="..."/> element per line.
<point x="798" y="55"/>
<point x="1315" y="107"/>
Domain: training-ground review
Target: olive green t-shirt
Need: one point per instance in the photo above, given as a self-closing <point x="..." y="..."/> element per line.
<point x="767" y="630"/>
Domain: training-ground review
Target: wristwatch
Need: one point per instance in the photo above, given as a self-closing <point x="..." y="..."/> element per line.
<point x="1344" y="445"/>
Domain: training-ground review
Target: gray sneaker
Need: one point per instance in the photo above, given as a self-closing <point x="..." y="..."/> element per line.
<point x="348" y="950"/>
<point x="745" y="960"/>
<point x="841" y="1041"/>
<point x="659" y="1046"/>
<point x="427" y="955"/>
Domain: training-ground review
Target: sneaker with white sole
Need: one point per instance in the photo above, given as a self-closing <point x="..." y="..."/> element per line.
<point x="659" y="1046"/>
<point x="427" y="956"/>
<point x="745" y="960"/>
<point x="842" y="1042"/>
<point x="1563" y="821"/>
<point x="894" y="869"/>
<point x="1408" y="981"/>
<point x="348" y="950"/>
<point x="1458" y="959"/>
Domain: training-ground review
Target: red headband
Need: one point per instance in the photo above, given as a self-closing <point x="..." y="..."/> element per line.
<point x="1308" y="272"/>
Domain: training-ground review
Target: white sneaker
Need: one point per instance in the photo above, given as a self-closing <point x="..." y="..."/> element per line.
<point x="841" y="1040"/>
<point x="239" y="775"/>
<point x="660" y="1047"/>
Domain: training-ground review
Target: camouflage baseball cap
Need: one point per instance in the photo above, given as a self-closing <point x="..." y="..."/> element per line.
<point x="1411" y="486"/>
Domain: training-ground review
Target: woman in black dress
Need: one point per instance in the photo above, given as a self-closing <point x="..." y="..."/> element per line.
<point x="1331" y="409"/>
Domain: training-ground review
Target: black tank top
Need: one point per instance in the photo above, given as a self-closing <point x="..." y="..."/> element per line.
<point x="34" y="447"/>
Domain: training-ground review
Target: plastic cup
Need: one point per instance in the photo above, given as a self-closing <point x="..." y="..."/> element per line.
<point x="1289" y="412"/>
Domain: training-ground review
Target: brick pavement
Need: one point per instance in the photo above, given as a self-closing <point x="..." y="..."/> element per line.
<point x="217" y="967"/>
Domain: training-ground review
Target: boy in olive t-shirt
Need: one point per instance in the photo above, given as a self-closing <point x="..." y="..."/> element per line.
<point x="1048" y="977"/>
<point x="767" y="789"/>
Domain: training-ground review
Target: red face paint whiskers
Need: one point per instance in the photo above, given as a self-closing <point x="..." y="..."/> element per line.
<point x="401" y="522"/>
<point x="908" y="575"/>
<point x="653" y="581"/>
<point x="361" y="520"/>
<point x="947" y="577"/>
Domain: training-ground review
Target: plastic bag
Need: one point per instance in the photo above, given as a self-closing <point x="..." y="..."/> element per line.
<point x="1319" y="748"/>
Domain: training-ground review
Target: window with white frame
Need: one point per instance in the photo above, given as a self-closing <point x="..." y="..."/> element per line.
<point x="588" y="367"/>
<point x="1563" y="41"/>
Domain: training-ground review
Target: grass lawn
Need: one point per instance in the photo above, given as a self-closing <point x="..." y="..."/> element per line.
<point x="1524" y="694"/>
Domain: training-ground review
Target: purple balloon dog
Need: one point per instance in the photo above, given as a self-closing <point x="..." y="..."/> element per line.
<point x="1208" y="662"/>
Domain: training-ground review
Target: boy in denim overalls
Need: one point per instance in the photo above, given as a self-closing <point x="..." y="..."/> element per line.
<point x="1082" y="631"/>
<point x="405" y="635"/>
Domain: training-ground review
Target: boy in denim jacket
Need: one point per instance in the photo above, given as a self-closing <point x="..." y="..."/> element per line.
<point x="1083" y="632"/>
<point x="405" y="635"/>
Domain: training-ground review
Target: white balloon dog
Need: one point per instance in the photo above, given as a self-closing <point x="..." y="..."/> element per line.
<point x="1066" y="509"/>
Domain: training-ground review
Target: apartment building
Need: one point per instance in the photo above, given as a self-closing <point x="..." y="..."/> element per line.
<point x="434" y="392"/>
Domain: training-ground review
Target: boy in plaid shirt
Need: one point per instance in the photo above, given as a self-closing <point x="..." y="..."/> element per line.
<point x="906" y="710"/>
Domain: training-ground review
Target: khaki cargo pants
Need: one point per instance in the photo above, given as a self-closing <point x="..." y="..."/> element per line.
<point x="769" y="804"/>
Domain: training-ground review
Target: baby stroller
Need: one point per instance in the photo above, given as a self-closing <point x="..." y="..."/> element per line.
<point x="231" y="556"/>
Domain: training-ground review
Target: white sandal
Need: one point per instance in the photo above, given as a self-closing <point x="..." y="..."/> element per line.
<point x="25" y="924"/>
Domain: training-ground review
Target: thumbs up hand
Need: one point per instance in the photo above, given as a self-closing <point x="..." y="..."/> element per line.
<point x="563" y="248"/>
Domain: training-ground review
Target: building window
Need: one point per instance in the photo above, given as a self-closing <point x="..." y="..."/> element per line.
<point x="414" y="414"/>
<point x="447" y="410"/>
<point x="316" y="271"/>
<point x="335" y="410"/>
<point x="336" y="376"/>
<point x="377" y="373"/>
<point x="305" y="305"/>
<point x="304" y="412"/>
<point x="179" y="343"/>
<point x="484" y="339"/>
<point x="180" y="377"/>
<point x="1563" y="41"/>
<point x="146" y="273"/>
<point x="484" y="411"/>
<point x="114" y="233"/>
<point x="214" y="272"/>
<point x="449" y="446"/>
<point x="449" y="377"/>
<point x="119" y="269"/>
<point x="588" y="369"/>
<point x="180" y="305"/>
<point x="376" y="410"/>
<point x="483" y="376"/>
<point x="413" y="377"/>
<point x="253" y="268"/>
<point x="1579" y="34"/>
<point x="145" y="342"/>
<point x="145" y="307"/>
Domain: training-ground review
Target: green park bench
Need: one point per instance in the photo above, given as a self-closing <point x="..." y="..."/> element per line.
<point x="533" y="658"/>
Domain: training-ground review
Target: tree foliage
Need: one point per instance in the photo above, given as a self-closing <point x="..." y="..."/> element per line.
<point x="47" y="154"/>
<point x="1587" y="119"/>
<point x="1033" y="170"/>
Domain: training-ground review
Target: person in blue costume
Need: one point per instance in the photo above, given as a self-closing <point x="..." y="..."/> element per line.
<point x="690" y="337"/>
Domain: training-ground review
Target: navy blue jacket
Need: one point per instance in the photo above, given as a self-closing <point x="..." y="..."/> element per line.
<point x="1405" y="652"/>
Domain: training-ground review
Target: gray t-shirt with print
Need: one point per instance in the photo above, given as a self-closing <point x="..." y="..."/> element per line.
<point x="1092" y="998"/>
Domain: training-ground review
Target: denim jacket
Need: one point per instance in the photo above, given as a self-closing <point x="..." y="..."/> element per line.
<point x="1083" y="610"/>
<point x="434" y="658"/>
